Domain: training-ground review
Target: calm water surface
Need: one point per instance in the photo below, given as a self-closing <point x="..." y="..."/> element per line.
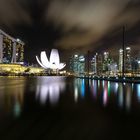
<point x="67" y="108"/>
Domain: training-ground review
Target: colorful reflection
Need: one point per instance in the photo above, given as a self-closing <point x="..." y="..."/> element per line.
<point x="125" y="96"/>
<point x="98" y="84"/>
<point x="79" y="89"/>
<point x="49" y="88"/>
<point x="76" y="89"/>
<point x="108" y="92"/>
<point x="94" y="88"/>
<point x="105" y="93"/>
<point x="116" y="88"/>
<point x="128" y="96"/>
<point x="120" y="95"/>
<point x="83" y="88"/>
<point x="12" y="94"/>
<point x="138" y="92"/>
<point x="76" y="94"/>
<point x="109" y="88"/>
<point x="112" y="90"/>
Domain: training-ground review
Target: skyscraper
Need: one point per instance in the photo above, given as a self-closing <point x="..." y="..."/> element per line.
<point x="127" y="60"/>
<point x="106" y="62"/>
<point x="99" y="61"/>
<point x="97" y="64"/>
<point x="77" y="64"/>
<point x="128" y="67"/>
<point x="120" y="60"/>
<point x="106" y="56"/>
<point x="11" y="49"/>
<point x="93" y="65"/>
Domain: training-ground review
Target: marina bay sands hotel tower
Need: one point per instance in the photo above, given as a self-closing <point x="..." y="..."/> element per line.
<point x="11" y="49"/>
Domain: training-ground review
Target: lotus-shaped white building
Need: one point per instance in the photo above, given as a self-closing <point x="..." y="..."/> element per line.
<point x="53" y="63"/>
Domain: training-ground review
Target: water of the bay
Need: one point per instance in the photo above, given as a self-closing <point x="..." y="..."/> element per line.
<point x="68" y="108"/>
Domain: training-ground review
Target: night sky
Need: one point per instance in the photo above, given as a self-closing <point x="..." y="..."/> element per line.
<point x="72" y="25"/>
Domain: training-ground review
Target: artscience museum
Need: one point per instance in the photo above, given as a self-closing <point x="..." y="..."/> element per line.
<point x="53" y="63"/>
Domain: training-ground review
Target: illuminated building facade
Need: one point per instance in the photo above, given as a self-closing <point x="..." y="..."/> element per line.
<point x="127" y="60"/>
<point x="19" y="52"/>
<point x="96" y="64"/>
<point x="120" y="60"/>
<point x="12" y="68"/>
<point x="19" y="69"/>
<point x="93" y="65"/>
<point x="106" y="56"/>
<point x="11" y="50"/>
<point x="128" y="67"/>
<point x="77" y="64"/>
<point x="99" y="64"/>
<point x="106" y="62"/>
<point x="103" y="65"/>
<point x="109" y="65"/>
<point x="74" y="64"/>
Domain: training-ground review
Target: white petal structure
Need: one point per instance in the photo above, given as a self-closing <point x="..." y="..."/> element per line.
<point x="54" y="62"/>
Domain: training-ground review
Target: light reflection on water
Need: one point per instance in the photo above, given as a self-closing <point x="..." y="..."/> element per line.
<point x="106" y="91"/>
<point x="120" y="95"/>
<point x="138" y="92"/>
<point x="49" y="90"/>
<point x="12" y="95"/>
<point x="128" y="96"/>
<point x="79" y="88"/>
<point x="125" y="93"/>
<point x="94" y="88"/>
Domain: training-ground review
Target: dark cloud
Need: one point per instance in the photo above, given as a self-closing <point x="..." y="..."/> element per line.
<point x="13" y="12"/>
<point x="97" y="18"/>
<point x="71" y="25"/>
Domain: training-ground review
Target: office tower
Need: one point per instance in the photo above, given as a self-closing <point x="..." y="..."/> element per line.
<point x="81" y="66"/>
<point x="127" y="60"/>
<point x="128" y="67"/>
<point x="106" y="62"/>
<point x="77" y="64"/>
<point x="120" y="60"/>
<point x="93" y="65"/>
<point x="74" y="64"/>
<point x="99" y="61"/>
<point x="97" y="64"/>
<point x="106" y="56"/>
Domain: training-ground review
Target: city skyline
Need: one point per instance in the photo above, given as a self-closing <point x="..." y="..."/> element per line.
<point x="69" y="69"/>
<point x="102" y="63"/>
<point x="72" y="26"/>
